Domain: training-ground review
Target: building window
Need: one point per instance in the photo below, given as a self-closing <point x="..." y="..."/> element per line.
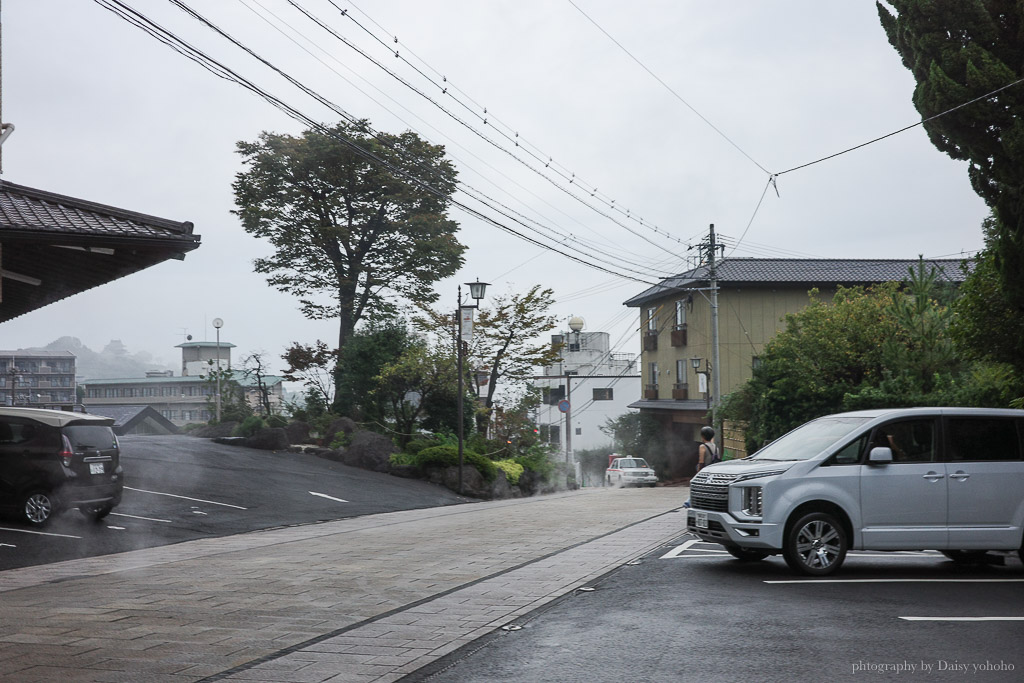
<point x="652" y="377"/>
<point x="552" y="395"/>
<point x="681" y="376"/>
<point x="755" y="362"/>
<point x="652" y="320"/>
<point x="604" y="394"/>
<point x="680" y="313"/>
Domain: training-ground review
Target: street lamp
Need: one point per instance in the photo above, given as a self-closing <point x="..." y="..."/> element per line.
<point x="217" y="324"/>
<point x="695" y="362"/>
<point x="463" y="334"/>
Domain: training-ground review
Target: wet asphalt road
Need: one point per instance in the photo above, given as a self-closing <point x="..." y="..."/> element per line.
<point x="181" y="488"/>
<point x="696" y="614"/>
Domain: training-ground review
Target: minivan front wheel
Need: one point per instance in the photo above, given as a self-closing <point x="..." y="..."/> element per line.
<point x="816" y="545"/>
<point x="37" y="507"/>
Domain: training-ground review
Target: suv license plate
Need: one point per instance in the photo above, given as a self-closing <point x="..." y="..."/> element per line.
<point x="95" y="468"/>
<point x="700" y="519"/>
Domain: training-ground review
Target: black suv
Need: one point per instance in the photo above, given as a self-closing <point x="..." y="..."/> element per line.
<point x="52" y="460"/>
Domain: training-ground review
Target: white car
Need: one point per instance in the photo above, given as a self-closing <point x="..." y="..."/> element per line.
<point x="629" y="471"/>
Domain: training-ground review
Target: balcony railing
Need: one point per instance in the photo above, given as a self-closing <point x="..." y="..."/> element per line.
<point x="679" y="335"/>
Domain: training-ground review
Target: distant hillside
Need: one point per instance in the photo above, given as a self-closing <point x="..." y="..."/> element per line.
<point x="113" y="362"/>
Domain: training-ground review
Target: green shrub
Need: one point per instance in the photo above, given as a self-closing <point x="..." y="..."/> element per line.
<point x="341" y="440"/>
<point x="403" y="458"/>
<point x="511" y="469"/>
<point x="538" y="460"/>
<point x="448" y="456"/>
<point x="249" y="426"/>
<point x="416" y="445"/>
<point x="276" y="421"/>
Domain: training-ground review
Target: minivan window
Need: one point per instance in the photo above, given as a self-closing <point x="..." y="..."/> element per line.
<point x="982" y="438"/>
<point x="909" y="440"/>
<point x="848" y="454"/>
<point x="809" y="440"/>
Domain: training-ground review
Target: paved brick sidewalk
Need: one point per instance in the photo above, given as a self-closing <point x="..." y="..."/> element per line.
<point x="363" y="599"/>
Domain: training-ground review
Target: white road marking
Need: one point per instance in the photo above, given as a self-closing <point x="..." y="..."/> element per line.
<point x="198" y="500"/>
<point x="7" y="545"/>
<point x="809" y="581"/>
<point x="962" y="618"/>
<point x="678" y="551"/>
<point x="148" y="519"/>
<point x="324" y="495"/>
<point x="118" y="528"/>
<point x="38" y="533"/>
<point x="198" y="512"/>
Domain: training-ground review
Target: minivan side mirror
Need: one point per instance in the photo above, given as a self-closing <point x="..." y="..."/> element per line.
<point x="880" y="455"/>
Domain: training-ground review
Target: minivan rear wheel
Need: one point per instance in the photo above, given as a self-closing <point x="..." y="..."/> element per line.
<point x="816" y="545"/>
<point x="95" y="512"/>
<point x="38" y="507"/>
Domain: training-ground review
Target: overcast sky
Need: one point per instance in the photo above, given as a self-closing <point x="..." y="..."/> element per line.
<point x="106" y="113"/>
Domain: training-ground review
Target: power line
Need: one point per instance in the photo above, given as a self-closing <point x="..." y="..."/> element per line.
<point x="572" y="179"/>
<point x="668" y="87"/>
<point x="282" y="21"/>
<point x="166" y="37"/>
<point x="475" y="194"/>
<point x="905" y="128"/>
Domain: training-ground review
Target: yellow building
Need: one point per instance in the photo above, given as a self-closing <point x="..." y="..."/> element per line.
<point x="754" y="296"/>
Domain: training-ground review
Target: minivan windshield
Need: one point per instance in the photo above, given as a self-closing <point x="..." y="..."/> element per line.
<point x="810" y="439"/>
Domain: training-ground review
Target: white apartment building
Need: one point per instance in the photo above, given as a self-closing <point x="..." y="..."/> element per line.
<point x="588" y="387"/>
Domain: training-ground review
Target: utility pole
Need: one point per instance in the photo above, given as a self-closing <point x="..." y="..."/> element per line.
<point x="715" y="359"/>
<point x="708" y="250"/>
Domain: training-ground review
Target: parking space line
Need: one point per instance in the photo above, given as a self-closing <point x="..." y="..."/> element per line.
<point x="962" y="618"/>
<point x="324" y="495"/>
<point x="812" y="581"/>
<point x="148" y="519"/>
<point x="38" y="533"/>
<point x="198" y="500"/>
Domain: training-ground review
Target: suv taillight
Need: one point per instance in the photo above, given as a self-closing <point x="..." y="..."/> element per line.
<point x="67" y="453"/>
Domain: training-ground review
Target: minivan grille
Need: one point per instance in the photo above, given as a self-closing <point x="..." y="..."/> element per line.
<point x="711" y="491"/>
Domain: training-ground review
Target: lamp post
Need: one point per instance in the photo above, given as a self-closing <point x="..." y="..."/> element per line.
<point x="463" y="334"/>
<point x="217" y="324"/>
<point x="695" y="362"/>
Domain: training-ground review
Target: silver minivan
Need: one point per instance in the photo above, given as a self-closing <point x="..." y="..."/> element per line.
<point x="947" y="479"/>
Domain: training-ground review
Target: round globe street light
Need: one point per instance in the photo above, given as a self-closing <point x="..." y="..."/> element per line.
<point x="463" y="335"/>
<point x="217" y="324"/>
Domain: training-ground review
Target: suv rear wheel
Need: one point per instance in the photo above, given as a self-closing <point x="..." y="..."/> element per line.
<point x="95" y="512"/>
<point x="37" y="507"/>
<point x="816" y="545"/>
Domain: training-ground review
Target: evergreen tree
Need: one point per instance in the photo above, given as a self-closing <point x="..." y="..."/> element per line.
<point x="960" y="50"/>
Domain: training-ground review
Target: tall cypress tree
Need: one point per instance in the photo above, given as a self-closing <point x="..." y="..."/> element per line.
<point x="959" y="50"/>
